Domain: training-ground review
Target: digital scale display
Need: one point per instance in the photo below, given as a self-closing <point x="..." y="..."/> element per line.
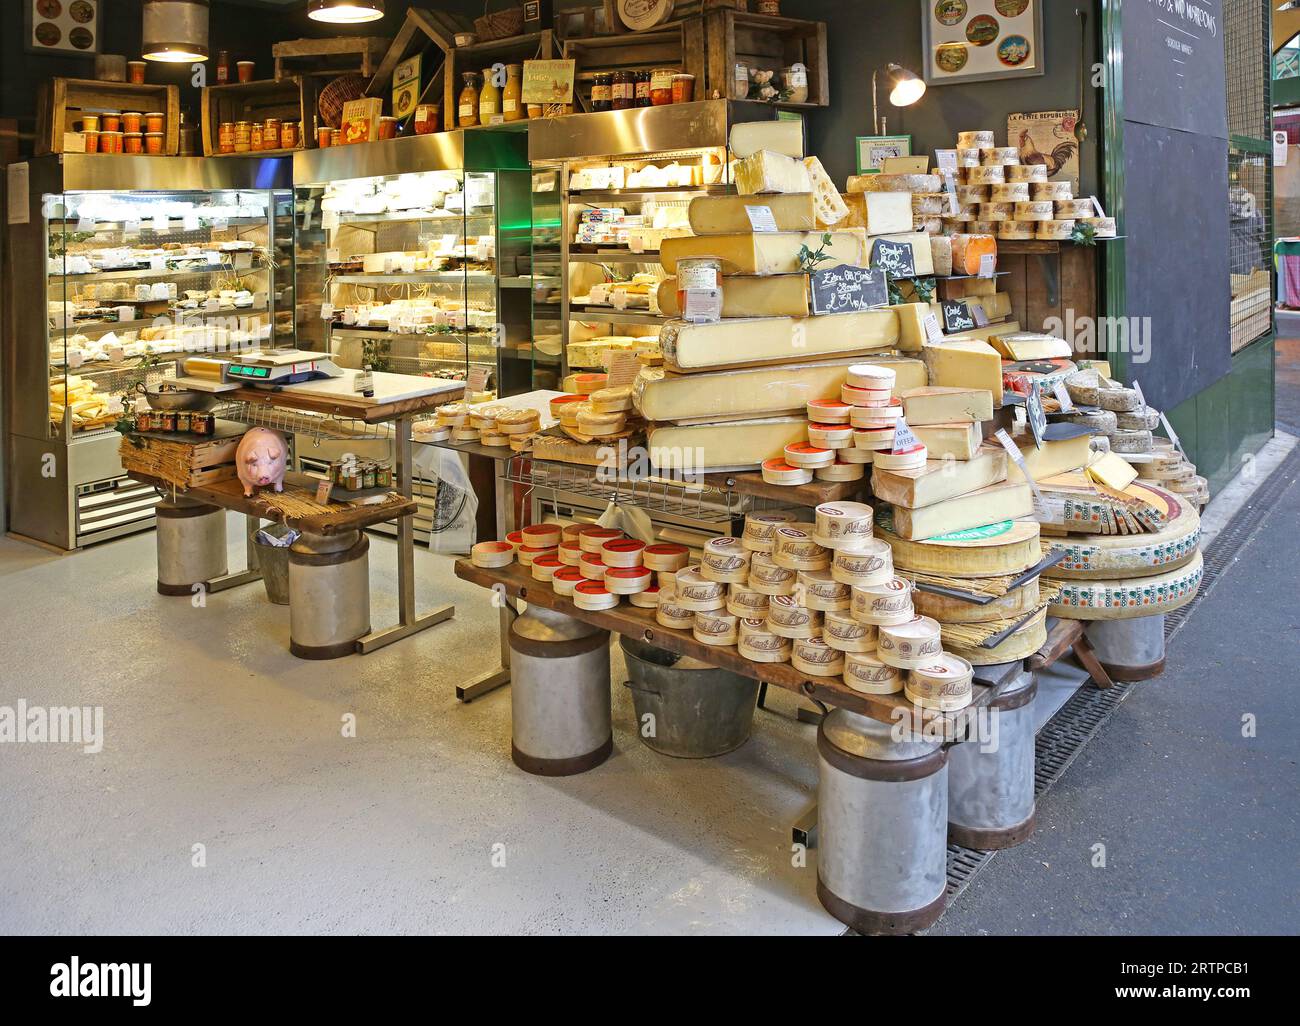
<point x="250" y="372"/>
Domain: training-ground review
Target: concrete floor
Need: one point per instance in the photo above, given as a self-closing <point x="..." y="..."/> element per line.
<point x="215" y="735"/>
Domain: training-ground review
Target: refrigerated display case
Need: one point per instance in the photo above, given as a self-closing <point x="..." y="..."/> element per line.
<point x="413" y="256"/>
<point x="122" y="265"/>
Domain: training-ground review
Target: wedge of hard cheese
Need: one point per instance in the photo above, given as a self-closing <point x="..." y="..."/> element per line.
<point x="1055" y="457"/>
<point x="966" y="288"/>
<point x="752" y="342"/>
<point x="895" y="183"/>
<point x="878" y="213"/>
<point x="991" y="505"/>
<point x="774" y="253"/>
<point x="831" y="210"/>
<point x="785" y="137"/>
<point x="727" y="395"/>
<point x="950" y="441"/>
<point x="939" y="480"/>
<point x="736" y="445"/>
<point x="965" y="363"/>
<point x="1026" y="346"/>
<point x="767" y="171"/>
<point x="922" y="257"/>
<point x="936" y="404"/>
<point x="777" y="295"/>
<point x="731" y="215"/>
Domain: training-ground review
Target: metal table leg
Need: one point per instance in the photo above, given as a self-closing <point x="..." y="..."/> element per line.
<point x="409" y="622"/>
<point x="804" y="830"/>
<point x="499" y="677"/>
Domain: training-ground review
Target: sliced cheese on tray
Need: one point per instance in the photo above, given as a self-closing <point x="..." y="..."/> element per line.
<point x="724" y="215"/>
<point x="741" y="342"/>
<point x="770" y="253"/>
<point x="736" y="445"/>
<point x="976" y="509"/>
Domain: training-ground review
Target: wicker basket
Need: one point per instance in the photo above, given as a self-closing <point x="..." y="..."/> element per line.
<point x="499" y="24"/>
<point x="342" y="90"/>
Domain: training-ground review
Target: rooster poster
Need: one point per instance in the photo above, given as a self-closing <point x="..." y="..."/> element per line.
<point x="1047" y="138"/>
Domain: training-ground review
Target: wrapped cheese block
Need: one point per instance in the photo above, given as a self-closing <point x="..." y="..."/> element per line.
<point x="969" y="251"/>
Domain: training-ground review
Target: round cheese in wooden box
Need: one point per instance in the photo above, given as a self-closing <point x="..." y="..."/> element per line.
<point x="745" y="602"/>
<point x="816" y="658"/>
<point x="719" y="629"/>
<point x="796" y="550"/>
<point x="725" y="561"/>
<point x="870" y="562"/>
<point x="845" y="634"/>
<point x="911" y="644"/>
<point x="697" y="593"/>
<point x="943" y="683"/>
<point x="566" y="579"/>
<point x="883" y="604"/>
<point x="492" y="555"/>
<point x="820" y="591"/>
<point x="843" y="525"/>
<point x="666" y="557"/>
<point x="673" y="616"/>
<point x="867" y="675"/>
<point x="790" y="620"/>
<point x="759" y="645"/>
<point x="768" y="578"/>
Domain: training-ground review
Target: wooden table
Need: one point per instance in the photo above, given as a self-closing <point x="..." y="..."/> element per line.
<point x="517" y="583"/>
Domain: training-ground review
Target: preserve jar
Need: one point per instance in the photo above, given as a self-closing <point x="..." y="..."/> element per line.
<point x="324" y="136"/>
<point x="153" y="143"/>
<point x="132" y="142"/>
<point x="289" y="135"/>
<point x="661" y="86"/>
<point x="255" y="135"/>
<point x="246" y="71"/>
<point x="426" y="119"/>
<point x="223" y="67"/>
<point x="624" y="90"/>
<point x="601" y="92"/>
<point x="388" y="128"/>
<point x="92" y="141"/>
<point x="155" y="122"/>
<point x="110" y="121"/>
<point x="226" y="137"/>
<point x="270" y="134"/>
<point x="132" y="122"/>
<point x="683" y="88"/>
<point x="243" y="136"/>
<point x="467" y="113"/>
<point x="135" y="72"/>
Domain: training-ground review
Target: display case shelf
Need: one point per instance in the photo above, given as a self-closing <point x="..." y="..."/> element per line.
<point x="148" y="272"/>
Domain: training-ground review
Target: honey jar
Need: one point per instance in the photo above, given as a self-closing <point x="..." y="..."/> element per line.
<point x="226" y="137"/>
<point x="289" y="135"/>
<point x="270" y="134"/>
<point x="132" y="142"/>
<point x="132" y="122"/>
<point x="243" y="136"/>
<point x="153" y="143"/>
<point x="255" y="133"/>
<point x="155" y="122"/>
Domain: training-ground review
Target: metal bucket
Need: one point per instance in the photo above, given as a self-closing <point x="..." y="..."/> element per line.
<point x="686" y="708"/>
<point x="1130" y="650"/>
<point x="273" y="562"/>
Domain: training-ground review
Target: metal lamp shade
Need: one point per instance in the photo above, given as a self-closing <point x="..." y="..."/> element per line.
<point x="176" y="31"/>
<point x="345" y="12"/>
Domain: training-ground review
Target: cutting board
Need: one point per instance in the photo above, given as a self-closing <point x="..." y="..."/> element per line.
<point x="389" y="388"/>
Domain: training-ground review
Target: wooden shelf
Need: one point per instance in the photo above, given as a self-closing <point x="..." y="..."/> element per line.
<point x="63" y="101"/>
<point x="641" y="624"/>
<point x="810" y="495"/>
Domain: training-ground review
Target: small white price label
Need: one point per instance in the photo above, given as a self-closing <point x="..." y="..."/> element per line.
<point x="478" y="377"/>
<point x="86" y="225"/>
<point x="1018" y="459"/>
<point x="75" y="359"/>
<point x="131" y="227"/>
<point x="702" y="306"/>
<point x="1172" y="435"/>
<point x="904" y="439"/>
<point x="329" y="220"/>
<point x="1097" y="206"/>
<point x="327" y="311"/>
<point x="761" y="219"/>
<point x="988" y="265"/>
<point x="933" y="332"/>
<point x="977" y="311"/>
<point x="190" y="223"/>
<point x="1063" y="397"/>
<point x="947" y="161"/>
<point x="950" y="183"/>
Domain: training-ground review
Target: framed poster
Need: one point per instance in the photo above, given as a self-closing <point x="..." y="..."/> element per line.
<point x="979" y="40"/>
<point x="406" y="86"/>
<point x="548" y="81"/>
<point x="61" y="26"/>
<point x="874" y="150"/>
<point x="1048" y="138"/>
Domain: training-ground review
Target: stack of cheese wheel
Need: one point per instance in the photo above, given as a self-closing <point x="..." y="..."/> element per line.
<point x="798" y="550"/>
<point x="842" y="632"/>
<point x="746" y="603"/>
<point x="717" y="628"/>
<point x="566" y="579"/>
<point x="770" y="579"/>
<point x="725" y="561"/>
<point x="883" y="604"/>
<point x="787" y="618"/>
<point x="914" y="457"/>
<point x="943" y="683"/>
<point x="561" y="401"/>
<point x="869" y="562"/>
<point x="593" y="596"/>
<point x="760" y="530"/>
<point x="909" y="644"/>
<point x="695" y="592"/>
<point x="544" y="568"/>
<point x="829" y="428"/>
<point x="759" y="644"/>
<point x="812" y="656"/>
<point x="820" y="591"/>
<point x="518" y="422"/>
<point x="539" y="541"/>
<point x="492" y="555"/>
<point x="665" y="557"/>
<point x="842" y="525"/>
<point x="483" y="419"/>
<point x="430" y="431"/>
<point x="865" y="673"/>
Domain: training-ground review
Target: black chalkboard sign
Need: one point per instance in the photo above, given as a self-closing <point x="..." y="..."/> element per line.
<point x="957" y="317"/>
<point x="847" y="289"/>
<point x="896" y="259"/>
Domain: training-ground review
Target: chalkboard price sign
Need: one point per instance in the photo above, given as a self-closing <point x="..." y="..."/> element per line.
<point x="957" y="317"/>
<point x="848" y="289"/>
<point x="896" y="259"/>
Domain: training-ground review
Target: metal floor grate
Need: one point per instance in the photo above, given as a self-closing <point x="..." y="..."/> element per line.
<point x="1077" y="722"/>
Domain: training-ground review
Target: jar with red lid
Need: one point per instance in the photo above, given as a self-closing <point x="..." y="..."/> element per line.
<point x="602" y="92"/>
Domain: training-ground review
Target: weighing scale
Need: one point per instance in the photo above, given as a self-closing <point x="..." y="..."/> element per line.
<point x="289" y="367"/>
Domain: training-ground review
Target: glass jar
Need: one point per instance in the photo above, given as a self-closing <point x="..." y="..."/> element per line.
<point x="661" y="86"/>
<point x="512" y="95"/>
<point x="388" y="128"/>
<point x="110" y="121"/>
<point x="132" y="142"/>
<point x="489" y="96"/>
<point x="683" y="88"/>
<point x="324" y="136"/>
<point x="467" y="105"/>
<point x="243" y="136"/>
<point x="132" y="122"/>
<point x="795" y="79"/>
<point x="642" y="89"/>
<point x="255" y="136"/>
<point x="226" y="137"/>
<point x="289" y="135"/>
<point x="271" y="134"/>
<point x="624" y="90"/>
<point x="154" y="143"/>
<point x="602" y="93"/>
<point x="769" y="7"/>
<point x="426" y="119"/>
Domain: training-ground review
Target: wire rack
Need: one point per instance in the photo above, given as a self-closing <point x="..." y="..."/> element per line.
<point x="316" y="426"/>
<point x="689" y="500"/>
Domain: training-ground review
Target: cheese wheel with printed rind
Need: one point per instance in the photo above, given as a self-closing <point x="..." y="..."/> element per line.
<point x="868" y="675"/>
<point x="1015" y="603"/>
<point x="1098" y="557"/>
<point x="1020" y="645"/>
<point x="906" y="646"/>
<point x="1010" y="547"/>
<point x="1130" y="598"/>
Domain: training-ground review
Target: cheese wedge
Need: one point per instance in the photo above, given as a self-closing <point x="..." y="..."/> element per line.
<point x="763" y="254"/>
<point x="955" y="441"/>
<point x="940" y="405"/>
<point x="911" y="326"/>
<point x="736" y="445"/>
<point x="1112" y="471"/>
<point x="752" y="342"/>
<point x="995" y="306"/>
<point x="831" y="210"/>
<point x="778" y="295"/>
<point x="1024" y="346"/>
<point x="895" y="183"/>
<point x="940" y="253"/>
<point x="736" y="394"/>
<point x="1052" y="459"/>
<point x="878" y="213"/>
<point x="729" y="215"/>
<point x="992" y="505"/>
<point x="785" y="137"/>
<point x="939" y="480"/>
<point x="969" y="251"/>
<point x="767" y="171"/>
<point x="965" y="363"/>
<point x="986" y="333"/>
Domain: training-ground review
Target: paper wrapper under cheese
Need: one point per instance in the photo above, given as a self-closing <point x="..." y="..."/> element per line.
<point x="771" y="340"/>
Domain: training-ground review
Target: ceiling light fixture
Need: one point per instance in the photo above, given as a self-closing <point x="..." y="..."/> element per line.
<point x="175" y="31"/>
<point x="345" y="12"/>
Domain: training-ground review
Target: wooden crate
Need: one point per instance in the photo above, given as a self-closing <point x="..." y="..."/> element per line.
<point x="678" y="44"/>
<point x="290" y="99"/>
<point x="336" y="56"/>
<point x="767" y="42"/>
<point x="681" y="9"/>
<point x="512" y="50"/>
<point x="63" y="101"/>
<point x="183" y="461"/>
<point x="1049" y="281"/>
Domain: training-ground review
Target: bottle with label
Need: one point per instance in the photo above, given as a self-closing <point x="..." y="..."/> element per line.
<point x="223" y="67"/>
<point x="489" y="96"/>
<point x="643" y="89"/>
<point x="624" y="90"/>
<point x="602" y="93"/>
<point x="512" y="95"/>
<point x="467" y="115"/>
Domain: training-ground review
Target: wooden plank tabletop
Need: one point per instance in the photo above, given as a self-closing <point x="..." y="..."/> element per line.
<point x="641" y="624"/>
<point x="333" y="519"/>
<point x="810" y="495"/>
<point x="345" y="407"/>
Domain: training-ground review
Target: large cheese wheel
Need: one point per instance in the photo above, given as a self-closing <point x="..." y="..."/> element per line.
<point x="1095" y="557"/>
<point x="1020" y="645"/>
<point x="1010" y="547"/>
<point x="1019" y="602"/>
<point x="1129" y="598"/>
<point x="969" y="250"/>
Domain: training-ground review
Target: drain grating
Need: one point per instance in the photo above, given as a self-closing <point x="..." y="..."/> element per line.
<point x="1064" y="736"/>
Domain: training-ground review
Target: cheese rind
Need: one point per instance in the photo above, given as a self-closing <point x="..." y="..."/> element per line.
<point x="831" y="210"/>
<point x="911" y="326"/>
<point x="965" y="363"/>
<point x="968" y="252"/>
<point x="937" y="404"/>
<point x="1025" y="346"/>
<point x="727" y="215"/>
<point x="785" y="137"/>
<point x="992" y="505"/>
<point x="958" y="441"/>
<point x="768" y="171"/>
<point x="895" y="183"/>
<point x="1055" y="457"/>
<point x="738" y="445"/>
<point x="741" y="342"/>
<point x="764" y="254"/>
<point x="939" y="480"/>
<point x="750" y="393"/>
<point x="1008" y="548"/>
<point x="777" y="295"/>
<point x="878" y="213"/>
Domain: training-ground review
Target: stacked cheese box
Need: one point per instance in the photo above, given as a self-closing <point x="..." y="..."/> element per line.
<point x="733" y="394"/>
<point x="998" y="195"/>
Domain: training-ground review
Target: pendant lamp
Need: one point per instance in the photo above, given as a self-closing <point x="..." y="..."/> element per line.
<point x="176" y="31"/>
<point x="345" y="12"/>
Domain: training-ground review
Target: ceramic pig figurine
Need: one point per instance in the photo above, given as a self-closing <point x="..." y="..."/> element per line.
<point x="259" y="460"/>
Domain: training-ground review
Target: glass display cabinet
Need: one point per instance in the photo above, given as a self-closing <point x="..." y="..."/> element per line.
<point x="123" y="266"/>
<point x="409" y="257"/>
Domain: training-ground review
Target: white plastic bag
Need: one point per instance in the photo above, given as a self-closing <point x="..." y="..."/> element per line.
<point x="455" y="523"/>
